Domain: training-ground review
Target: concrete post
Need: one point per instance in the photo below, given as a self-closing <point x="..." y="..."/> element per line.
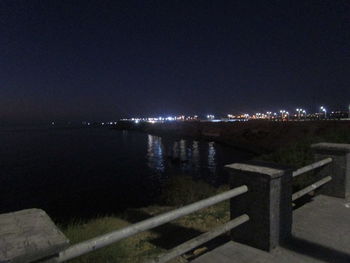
<point x="339" y="169"/>
<point x="268" y="203"/>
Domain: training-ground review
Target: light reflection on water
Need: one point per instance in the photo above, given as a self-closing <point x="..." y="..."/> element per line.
<point x="183" y="154"/>
<point x="211" y="157"/>
<point x="155" y="157"/>
<point x="195" y="155"/>
<point x="197" y="158"/>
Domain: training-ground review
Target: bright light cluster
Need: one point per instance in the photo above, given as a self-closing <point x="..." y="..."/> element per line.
<point x="300" y="114"/>
<point x="162" y="119"/>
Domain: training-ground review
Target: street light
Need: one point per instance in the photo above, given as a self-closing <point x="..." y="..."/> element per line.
<point x="325" y="111"/>
<point x="269" y="114"/>
<point x="300" y="111"/>
<point x="283" y="113"/>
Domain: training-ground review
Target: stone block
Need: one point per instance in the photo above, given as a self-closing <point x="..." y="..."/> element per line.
<point x="28" y="236"/>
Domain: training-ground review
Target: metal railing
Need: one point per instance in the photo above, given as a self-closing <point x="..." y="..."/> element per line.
<point x="197" y="241"/>
<point x="112" y="237"/>
<point x="310" y="188"/>
<point x="312" y="166"/>
<point x="315" y="185"/>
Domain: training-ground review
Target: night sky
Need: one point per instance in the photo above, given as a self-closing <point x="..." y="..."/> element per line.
<point x="102" y="60"/>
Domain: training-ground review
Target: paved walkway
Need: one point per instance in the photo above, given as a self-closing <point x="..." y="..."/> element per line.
<point x="321" y="233"/>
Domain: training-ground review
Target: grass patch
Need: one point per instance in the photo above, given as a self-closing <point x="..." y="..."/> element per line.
<point x="182" y="190"/>
<point x="133" y="249"/>
<point x="149" y="244"/>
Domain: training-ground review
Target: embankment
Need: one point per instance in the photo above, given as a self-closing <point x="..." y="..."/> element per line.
<point x="254" y="136"/>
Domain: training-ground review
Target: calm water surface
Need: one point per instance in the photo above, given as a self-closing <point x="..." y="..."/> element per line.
<point x="84" y="172"/>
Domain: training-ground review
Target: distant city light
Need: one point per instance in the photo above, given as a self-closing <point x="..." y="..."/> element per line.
<point x="300" y="114"/>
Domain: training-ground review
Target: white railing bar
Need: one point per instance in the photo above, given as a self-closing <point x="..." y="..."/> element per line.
<point x="203" y="238"/>
<point x="312" y="166"/>
<point x="109" y="238"/>
<point x="310" y="188"/>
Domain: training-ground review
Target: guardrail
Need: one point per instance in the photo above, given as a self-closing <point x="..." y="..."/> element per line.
<point x="312" y="166"/>
<point x="315" y="185"/>
<point x="197" y="241"/>
<point x="310" y="188"/>
<point x="109" y="238"/>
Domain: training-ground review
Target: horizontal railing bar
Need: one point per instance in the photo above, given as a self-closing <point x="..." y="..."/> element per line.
<point x="203" y="238"/>
<point x="310" y="188"/>
<point x="109" y="238"/>
<point x="312" y="166"/>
